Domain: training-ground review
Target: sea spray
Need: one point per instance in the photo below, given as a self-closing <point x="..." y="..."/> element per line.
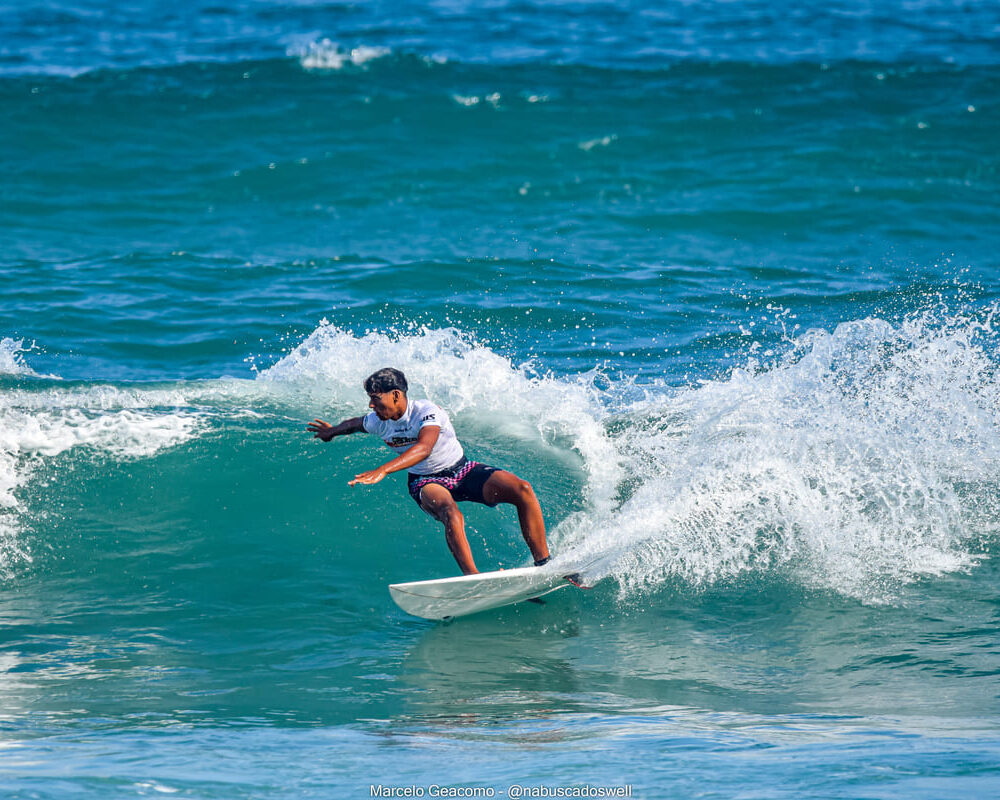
<point x="864" y="458"/>
<point x="12" y="357"/>
<point x="325" y="54"/>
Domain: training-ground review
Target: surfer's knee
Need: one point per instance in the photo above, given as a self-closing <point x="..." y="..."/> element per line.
<point x="433" y="508"/>
<point x="524" y="493"/>
<point x="439" y="505"/>
<point x="506" y="487"/>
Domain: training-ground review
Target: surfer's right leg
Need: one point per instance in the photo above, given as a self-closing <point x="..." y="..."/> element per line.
<point x="437" y="501"/>
<point x="506" y="487"/>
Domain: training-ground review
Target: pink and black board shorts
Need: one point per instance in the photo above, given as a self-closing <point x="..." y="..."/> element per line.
<point x="464" y="480"/>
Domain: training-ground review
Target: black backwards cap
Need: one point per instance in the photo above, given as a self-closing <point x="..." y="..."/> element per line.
<point x="385" y="380"/>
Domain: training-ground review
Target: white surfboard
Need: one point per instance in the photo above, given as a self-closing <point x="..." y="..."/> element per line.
<point x="467" y="594"/>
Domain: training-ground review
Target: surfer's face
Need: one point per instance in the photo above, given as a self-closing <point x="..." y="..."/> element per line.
<point x="388" y="405"/>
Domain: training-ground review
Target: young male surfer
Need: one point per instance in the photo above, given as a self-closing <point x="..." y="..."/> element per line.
<point x="440" y="475"/>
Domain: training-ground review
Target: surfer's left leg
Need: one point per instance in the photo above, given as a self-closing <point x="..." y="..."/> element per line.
<point x="437" y="501"/>
<point x="506" y="487"/>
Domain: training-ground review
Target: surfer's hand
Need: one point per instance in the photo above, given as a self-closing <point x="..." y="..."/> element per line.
<point x="320" y="429"/>
<point x="370" y="477"/>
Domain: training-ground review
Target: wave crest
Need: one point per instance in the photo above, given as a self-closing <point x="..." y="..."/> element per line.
<point x="855" y="460"/>
<point x="326" y="54"/>
<point x="864" y="458"/>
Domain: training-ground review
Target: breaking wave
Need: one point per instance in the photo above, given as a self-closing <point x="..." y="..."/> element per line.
<point x="858" y="460"/>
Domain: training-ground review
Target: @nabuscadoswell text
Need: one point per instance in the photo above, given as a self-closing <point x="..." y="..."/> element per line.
<point x="514" y="791"/>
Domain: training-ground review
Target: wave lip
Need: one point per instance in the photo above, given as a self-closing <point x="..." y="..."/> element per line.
<point x="29" y="438"/>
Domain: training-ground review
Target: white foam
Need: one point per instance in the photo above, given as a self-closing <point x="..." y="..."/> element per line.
<point x="326" y="54"/>
<point x="124" y="434"/>
<point x="603" y="141"/>
<point x="12" y="358"/>
<point x="866" y="458"/>
<point x="469" y="101"/>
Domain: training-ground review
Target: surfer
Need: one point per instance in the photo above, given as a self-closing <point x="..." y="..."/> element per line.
<point x="440" y="476"/>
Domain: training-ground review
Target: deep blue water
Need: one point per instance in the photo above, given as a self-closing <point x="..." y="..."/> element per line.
<point x="720" y="279"/>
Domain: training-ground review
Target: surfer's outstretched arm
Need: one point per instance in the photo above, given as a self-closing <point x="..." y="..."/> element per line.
<point x="326" y="431"/>
<point x="418" y="452"/>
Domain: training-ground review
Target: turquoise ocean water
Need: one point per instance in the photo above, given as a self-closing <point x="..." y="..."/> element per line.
<point x="721" y="279"/>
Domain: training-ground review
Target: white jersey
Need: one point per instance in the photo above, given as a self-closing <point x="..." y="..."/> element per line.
<point x="401" y="434"/>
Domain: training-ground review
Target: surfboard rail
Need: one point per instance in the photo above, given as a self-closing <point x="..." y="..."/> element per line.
<point x="460" y="596"/>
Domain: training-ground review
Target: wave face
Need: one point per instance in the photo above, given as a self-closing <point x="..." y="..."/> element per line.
<point x="719" y="279"/>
